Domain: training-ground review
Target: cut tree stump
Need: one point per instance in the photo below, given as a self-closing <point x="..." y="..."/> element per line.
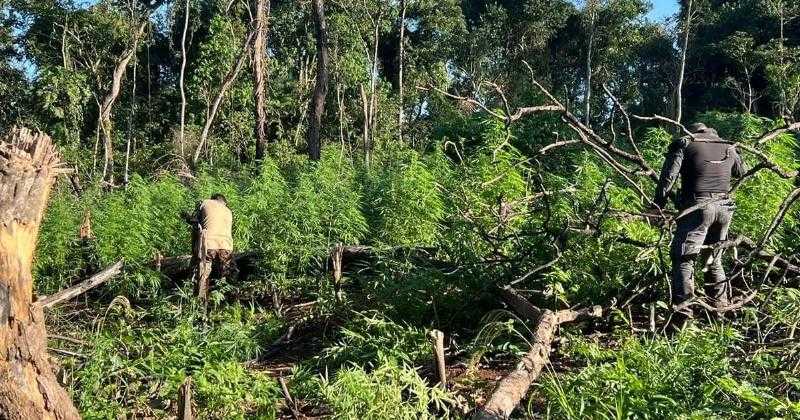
<point x="514" y="386"/>
<point x="29" y="389"/>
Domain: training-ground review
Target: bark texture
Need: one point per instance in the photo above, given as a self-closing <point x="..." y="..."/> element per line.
<point x="28" y="387"/>
<point x="260" y="74"/>
<point x="321" y="87"/>
<point x="514" y="386"/>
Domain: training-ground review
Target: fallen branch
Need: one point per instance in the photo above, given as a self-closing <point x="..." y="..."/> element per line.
<point x="514" y="386"/>
<point x="82" y="287"/>
<point x="290" y="402"/>
<point x="67" y="353"/>
<point x="777" y="132"/>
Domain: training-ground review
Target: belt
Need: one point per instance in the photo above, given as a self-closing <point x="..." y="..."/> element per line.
<point x="722" y="195"/>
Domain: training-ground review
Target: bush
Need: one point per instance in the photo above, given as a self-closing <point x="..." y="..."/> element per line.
<point x="390" y="391"/>
<point x="689" y="376"/>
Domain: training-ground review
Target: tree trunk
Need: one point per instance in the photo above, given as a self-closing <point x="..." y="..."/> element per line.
<point x="514" y="386"/>
<point x="260" y="74"/>
<point x="682" y="67"/>
<point x="28" y="387"/>
<point x="587" y="98"/>
<point x="373" y="85"/>
<point x="401" y="60"/>
<point x="181" y="139"/>
<point x="108" y="103"/>
<point x="321" y="88"/>
<point x="223" y="89"/>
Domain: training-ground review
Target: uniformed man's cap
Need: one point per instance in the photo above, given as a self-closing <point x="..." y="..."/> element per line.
<point x="697" y="127"/>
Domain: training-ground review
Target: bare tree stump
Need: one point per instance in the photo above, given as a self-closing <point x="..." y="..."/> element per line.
<point x="29" y="389"/>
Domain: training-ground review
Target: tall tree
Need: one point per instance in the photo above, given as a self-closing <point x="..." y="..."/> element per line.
<point x="687" y="29"/>
<point x="401" y="61"/>
<point x="261" y="28"/>
<point x="321" y="87"/>
<point x="590" y="21"/>
<point x="227" y="81"/>
<point x="107" y="104"/>
<point x="182" y="76"/>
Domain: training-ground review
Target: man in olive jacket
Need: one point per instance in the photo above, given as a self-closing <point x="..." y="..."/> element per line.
<point x="212" y="252"/>
<point x="705" y="163"/>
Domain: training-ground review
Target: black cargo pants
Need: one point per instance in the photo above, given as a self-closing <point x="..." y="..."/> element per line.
<point x="706" y="224"/>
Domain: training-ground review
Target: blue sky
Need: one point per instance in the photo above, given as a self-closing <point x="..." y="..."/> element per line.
<point x="663" y="9"/>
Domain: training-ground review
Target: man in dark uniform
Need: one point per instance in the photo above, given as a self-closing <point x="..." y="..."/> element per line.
<point x="705" y="163"/>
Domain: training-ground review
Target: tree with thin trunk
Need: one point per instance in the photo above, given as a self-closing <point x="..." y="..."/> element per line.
<point x="181" y="83"/>
<point x="401" y="60"/>
<point x="106" y="106"/>
<point x="261" y="29"/>
<point x="29" y="164"/>
<point x="373" y="83"/>
<point x="682" y="65"/>
<point x="230" y="77"/>
<point x="591" y="21"/>
<point x="321" y="87"/>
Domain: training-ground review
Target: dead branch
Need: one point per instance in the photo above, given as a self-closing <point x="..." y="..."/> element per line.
<point x="514" y="386"/>
<point x="185" y="411"/>
<point x="82" y="287"/>
<point x="777" y="132"/>
<point x="67" y="353"/>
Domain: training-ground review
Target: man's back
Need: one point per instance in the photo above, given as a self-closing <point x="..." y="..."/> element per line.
<point x="708" y="164"/>
<point x="705" y="163"/>
<point x="217" y="220"/>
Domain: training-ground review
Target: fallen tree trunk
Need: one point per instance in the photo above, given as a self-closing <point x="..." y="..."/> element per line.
<point x="82" y="287"/>
<point x="29" y="164"/>
<point x="514" y="386"/>
<point x="180" y="267"/>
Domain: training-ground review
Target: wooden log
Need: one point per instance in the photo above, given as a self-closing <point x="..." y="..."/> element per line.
<point x="437" y="339"/>
<point x="29" y="389"/>
<point x="82" y="287"/>
<point x="180" y="267"/>
<point x="514" y="386"/>
<point x="520" y="305"/>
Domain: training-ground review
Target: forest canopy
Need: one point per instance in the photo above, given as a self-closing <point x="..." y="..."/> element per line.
<point x="421" y="190"/>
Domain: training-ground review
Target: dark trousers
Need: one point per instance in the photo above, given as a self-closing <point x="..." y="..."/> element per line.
<point x="217" y="264"/>
<point x="707" y="224"/>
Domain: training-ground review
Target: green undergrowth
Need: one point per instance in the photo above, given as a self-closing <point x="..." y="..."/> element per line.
<point x="698" y="373"/>
<point x="140" y="357"/>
